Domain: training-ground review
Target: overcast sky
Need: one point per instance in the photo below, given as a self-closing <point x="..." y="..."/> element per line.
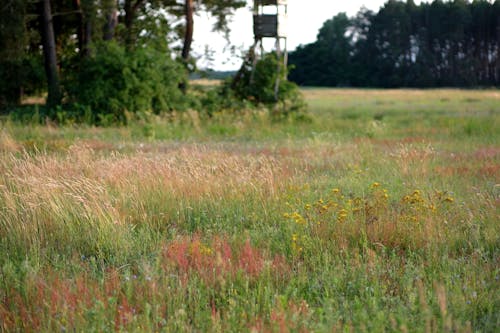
<point x="305" y="17"/>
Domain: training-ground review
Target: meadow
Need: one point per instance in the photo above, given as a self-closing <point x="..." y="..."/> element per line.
<point x="378" y="212"/>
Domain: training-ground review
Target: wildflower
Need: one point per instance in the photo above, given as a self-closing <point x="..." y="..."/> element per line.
<point x="307" y="206"/>
<point x="335" y="191"/>
<point x="342" y="215"/>
<point x="205" y="250"/>
<point x="449" y="199"/>
<point x="298" y="218"/>
<point x="294" y="237"/>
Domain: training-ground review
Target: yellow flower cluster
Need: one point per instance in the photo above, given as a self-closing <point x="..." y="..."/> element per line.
<point x="336" y="208"/>
<point x="296" y="244"/>
<point x="296" y="217"/>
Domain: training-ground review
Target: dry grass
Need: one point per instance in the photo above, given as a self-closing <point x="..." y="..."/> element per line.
<point x="401" y="95"/>
<point x="307" y="232"/>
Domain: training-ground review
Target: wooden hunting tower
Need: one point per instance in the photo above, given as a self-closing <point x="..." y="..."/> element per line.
<point x="269" y="21"/>
<point x="267" y="24"/>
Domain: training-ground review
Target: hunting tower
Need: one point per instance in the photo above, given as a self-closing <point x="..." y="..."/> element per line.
<point x="269" y="21"/>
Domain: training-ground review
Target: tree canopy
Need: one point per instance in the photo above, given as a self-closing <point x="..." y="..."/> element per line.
<point x="65" y="46"/>
<point x="453" y="43"/>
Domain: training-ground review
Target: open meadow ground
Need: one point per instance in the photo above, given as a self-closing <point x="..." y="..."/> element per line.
<point x="377" y="213"/>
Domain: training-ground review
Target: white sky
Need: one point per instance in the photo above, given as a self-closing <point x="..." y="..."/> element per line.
<point x="305" y="18"/>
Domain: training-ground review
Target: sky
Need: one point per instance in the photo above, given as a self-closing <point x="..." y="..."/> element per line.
<point x="305" y="18"/>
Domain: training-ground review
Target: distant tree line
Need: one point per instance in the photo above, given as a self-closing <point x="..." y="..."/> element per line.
<point x="443" y="43"/>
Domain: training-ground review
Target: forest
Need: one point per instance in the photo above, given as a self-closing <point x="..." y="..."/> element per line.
<point x="433" y="44"/>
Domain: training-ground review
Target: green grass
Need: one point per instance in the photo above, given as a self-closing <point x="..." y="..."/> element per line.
<point x="378" y="213"/>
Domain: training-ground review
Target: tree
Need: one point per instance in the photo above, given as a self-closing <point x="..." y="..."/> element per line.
<point x="221" y="10"/>
<point x="12" y="37"/>
<point x="49" y="53"/>
<point x="452" y="43"/>
<point x="111" y="19"/>
<point x="327" y="61"/>
<point x="189" y="29"/>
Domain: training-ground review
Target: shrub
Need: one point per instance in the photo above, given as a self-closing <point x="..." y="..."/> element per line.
<point x="260" y="88"/>
<point x="114" y="81"/>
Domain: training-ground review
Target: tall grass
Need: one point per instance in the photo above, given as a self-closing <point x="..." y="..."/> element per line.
<point x="394" y="228"/>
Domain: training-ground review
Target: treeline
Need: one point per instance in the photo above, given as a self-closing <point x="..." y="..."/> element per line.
<point x="454" y="43"/>
<point x="102" y="59"/>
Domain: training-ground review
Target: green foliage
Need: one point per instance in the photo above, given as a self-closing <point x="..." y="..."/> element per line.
<point x="221" y="99"/>
<point x="104" y="78"/>
<point x="20" y="73"/>
<point x="443" y="43"/>
<point x="12" y="28"/>
<point x="259" y="87"/>
<point x="114" y="81"/>
<point x="20" y="76"/>
<point x="326" y="62"/>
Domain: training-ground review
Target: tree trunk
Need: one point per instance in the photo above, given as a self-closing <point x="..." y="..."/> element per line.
<point x="128" y="22"/>
<point x="188" y="35"/>
<point x="111" y="21"/>
<point x="87" y="36"/>
<point x="50" y="56"/>
<point x="130" y="14"/>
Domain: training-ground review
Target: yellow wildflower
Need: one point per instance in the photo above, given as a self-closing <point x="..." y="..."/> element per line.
<point x="205" y="250"/>
<point x="298" y="218"/>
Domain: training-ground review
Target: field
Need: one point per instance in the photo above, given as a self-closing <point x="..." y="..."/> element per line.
<point x="377" y="213"/>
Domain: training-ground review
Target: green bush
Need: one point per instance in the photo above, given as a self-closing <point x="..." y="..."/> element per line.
<point x="259" y="88"/>
<point x="115" y="81"/>
<point x="221" y="99"/>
